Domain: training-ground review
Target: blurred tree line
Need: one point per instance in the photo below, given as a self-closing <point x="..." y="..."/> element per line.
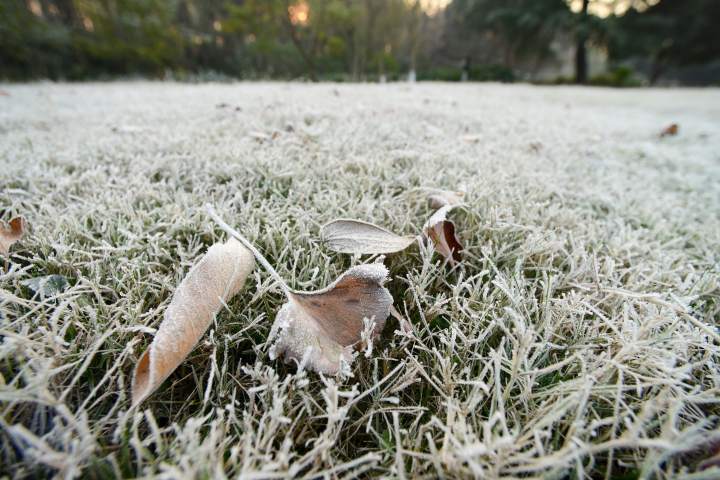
<point x="78" y="39"/>
<point x="347" y="39"/>
<point x="655" y="36"/>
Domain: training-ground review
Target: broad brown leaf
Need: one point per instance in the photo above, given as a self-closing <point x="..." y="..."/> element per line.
<point x="11" y="233"/>
<point x="324" y="327"/>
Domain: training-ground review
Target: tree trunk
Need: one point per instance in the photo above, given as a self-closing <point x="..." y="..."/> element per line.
<point x="581" y="66"/>
<point x="658" y="65"/>
<point x="656" y="72"/>
<point x="581" y="62"/>
<point x="68" y="13"/>
<point x="370" y="44"/>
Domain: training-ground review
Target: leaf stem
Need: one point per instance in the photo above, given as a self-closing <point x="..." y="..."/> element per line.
<point x="260" y="258"/>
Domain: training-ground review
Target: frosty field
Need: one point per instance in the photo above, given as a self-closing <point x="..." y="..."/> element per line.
<point x="578" y="338"/>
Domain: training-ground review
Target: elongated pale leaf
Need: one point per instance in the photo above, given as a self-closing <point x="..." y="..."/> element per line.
<point x="11" y="233"/>
<point x="324" y="327"/>
<point x="442" y="233"/>
<point x="219" y="275"/>
<point x="358" y="237"/>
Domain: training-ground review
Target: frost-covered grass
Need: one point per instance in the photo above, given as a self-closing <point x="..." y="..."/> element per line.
<point x="578" y="339"/>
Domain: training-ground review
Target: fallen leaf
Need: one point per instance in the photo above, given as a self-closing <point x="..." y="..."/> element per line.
<point x="442" y="233"/>
<point x="440" y="198"/>
<point x="358" y="237"/>
<point x="46" y="286"/>
<point x="321" y="329"/>
<point x="670" y="130"/>
<point x="11" y="234"/>
<point x="219" y="275"/>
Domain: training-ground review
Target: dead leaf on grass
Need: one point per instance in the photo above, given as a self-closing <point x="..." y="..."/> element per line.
<point x="442" y="233"/>
<point x="219" y="275"/>
<point x="439" y="198"/>
<point x="670" y="131"/>
<point x="11" y="233"/>
<point x="358" y="237"/>
<point x="321" y="329"/>
<point x="324" y="327"/>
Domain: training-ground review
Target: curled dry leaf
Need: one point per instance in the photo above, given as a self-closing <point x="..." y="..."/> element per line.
<point x="358" y="237"/>
<point x="11" y="233"/>
<point x="440" y="198"/>
<point x="442" y="233"/>
<point x="322" y="328"/>
<point x="670" y="131"/>
<point x="219" y="275"/>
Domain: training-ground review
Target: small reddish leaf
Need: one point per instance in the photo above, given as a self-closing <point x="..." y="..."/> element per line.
<point x="442" y="233"/>
<point x="11" y="234"/>
<point x="670" y="131"/>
